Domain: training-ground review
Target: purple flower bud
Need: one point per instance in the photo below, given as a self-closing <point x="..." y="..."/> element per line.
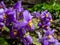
<point x="4" y="6"/>
<point x="37" y="14"/>
<point x="18" y="6"/>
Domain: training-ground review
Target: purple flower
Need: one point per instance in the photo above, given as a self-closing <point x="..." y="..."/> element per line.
<point x="45" y="19"/>
<point x="46" y="14"/>
<point x="37" y="14"/>
<point x="49" y="32"/>
<point x="28" y="18"/>
<point x="2" y="3"/>
<point x="1" y="24"/>
<point x="13" y="33"/>
<point x="57" y="43"/>
<point x="11" y="14"/>
<point x="48" y="37"/>
<point x="19" y="10"/>
<point x="45" y="42"/>
<point x="23" y="23"/>
<point x="20" y="25"/>
<point x="47" y="24"/>
<point x="28" y="39"/>
<point x="27" y="15"/>
<point x="30" y="28"/>
<point x="18" y="6"/>
<point x="1" y="14"/>
<point x="1" y="17"/>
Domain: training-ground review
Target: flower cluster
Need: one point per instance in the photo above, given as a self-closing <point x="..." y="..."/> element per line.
<point x="19" y="23"/>
<point x="18" y="20"/>
<point x="45" y="20"/>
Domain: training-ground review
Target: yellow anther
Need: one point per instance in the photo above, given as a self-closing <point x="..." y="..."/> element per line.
<point x="5" y="16"/>
<point x="30" y="23"/>
<point x="15" y="32"/>
<point x="49" y="36"/>
<point x="51" y="20"/>
<point x="46" y="15"/>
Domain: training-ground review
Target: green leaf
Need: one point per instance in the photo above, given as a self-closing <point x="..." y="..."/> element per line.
<point x="6" y="29"/>
<point x="35" y="23"/>
<point x="59" y="16"/>
<point x="3" y="42"/>
<point x="35" y="41"/>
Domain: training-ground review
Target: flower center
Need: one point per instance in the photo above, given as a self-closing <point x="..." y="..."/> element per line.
<point x="15" y="32"/>
<point x="49" y="36"/>
<point x="51" y="20"/>
<point x="30" y="23"/>
<point x="46" y="15"/>
<point x="5" y="16"/>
